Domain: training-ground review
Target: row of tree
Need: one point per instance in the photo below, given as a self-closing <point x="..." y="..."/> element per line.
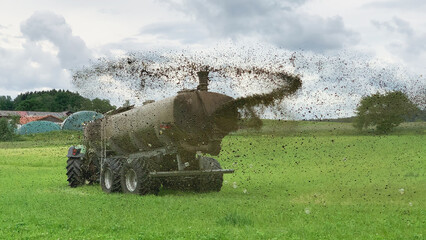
<point x="54" y="101"/>
<point x="380" y="111"/>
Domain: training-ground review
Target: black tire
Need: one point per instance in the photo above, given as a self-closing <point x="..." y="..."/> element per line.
<point x="110" y="175"/>
<point x="211" y="182"/>
<point x="75" y="172"/>
<point x="135" y="178"/>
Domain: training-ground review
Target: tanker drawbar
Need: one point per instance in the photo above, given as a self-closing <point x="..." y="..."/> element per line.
<point x="139" y="149"/>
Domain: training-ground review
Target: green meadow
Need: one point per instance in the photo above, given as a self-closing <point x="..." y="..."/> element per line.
<point x="292" y="180"/>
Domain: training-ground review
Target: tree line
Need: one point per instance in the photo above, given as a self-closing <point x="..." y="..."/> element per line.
<point x="54" y="101"/>
<point x="383" y="112"/>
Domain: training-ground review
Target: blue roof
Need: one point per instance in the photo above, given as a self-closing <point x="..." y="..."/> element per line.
<point x="77" y="120"/>
<point x="38" y="127"/>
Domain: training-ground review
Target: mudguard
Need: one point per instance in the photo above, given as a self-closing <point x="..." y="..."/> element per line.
<point x="78" y="151"/>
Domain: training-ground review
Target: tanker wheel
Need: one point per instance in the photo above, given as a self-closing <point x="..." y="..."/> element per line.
<point x="110" y="175"/>
<point x="212" y="182"/>
<point x="75" y="172"/>
<point x="135" y="179"/>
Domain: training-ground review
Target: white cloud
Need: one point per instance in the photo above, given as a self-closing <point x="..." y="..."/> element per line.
<point x="277" y="22"/>
<point x="72" y="50"/>
<point x="404" y="42"/>
<point x="47" y="49"/>
<point x="397" y="4"/>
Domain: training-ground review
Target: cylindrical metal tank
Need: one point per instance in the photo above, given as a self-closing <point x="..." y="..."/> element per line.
<point x="188" y="121"/>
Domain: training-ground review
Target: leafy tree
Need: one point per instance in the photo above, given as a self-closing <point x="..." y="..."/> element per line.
<point x="98" y="105"/>
<point x="7" y="130"/>
<point x="6" y="103"/>
<point x="32" y="104"/>
<point x="102" y="105"/>
<point x="384" y="111"/>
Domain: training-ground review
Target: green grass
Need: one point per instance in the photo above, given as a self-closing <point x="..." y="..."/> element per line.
<point x="55" y="138"/>
<point x="314" y="181"/>
<point x="325" y="128"/>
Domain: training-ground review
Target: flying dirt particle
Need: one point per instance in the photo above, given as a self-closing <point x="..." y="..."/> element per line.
<point x="401" y="190"/>
<point x="245" y="191"/>
<point x="234" y="185"/>
<point x="333" y="84"/>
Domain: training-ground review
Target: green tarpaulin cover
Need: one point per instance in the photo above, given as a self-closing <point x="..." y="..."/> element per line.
<point x="38" y="127"/>
<point x="76" y="120"/>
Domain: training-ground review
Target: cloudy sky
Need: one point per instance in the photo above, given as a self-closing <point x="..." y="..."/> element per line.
<point x="40" y="41"/>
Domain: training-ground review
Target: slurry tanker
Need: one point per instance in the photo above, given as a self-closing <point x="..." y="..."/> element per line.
<point x="139" y="149"/>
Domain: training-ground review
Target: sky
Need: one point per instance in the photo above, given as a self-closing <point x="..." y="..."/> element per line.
<point x="42" y="41"/>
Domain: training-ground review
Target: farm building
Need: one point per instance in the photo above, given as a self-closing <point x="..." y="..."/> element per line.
<point x="29" y="116"/>
<point x="48" y="118"/>
<point x="9" y="114"/>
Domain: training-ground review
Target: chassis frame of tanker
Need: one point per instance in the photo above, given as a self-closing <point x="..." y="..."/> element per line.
<point x="139" y="149"/>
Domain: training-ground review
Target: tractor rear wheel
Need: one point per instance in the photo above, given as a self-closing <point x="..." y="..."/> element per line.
<point x="75" y="172"/>
<point x="135" y="178"/>
<point x="110" y="175"/>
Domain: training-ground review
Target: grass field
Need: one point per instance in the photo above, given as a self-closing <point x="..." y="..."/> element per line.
<point x="293" y="180"/>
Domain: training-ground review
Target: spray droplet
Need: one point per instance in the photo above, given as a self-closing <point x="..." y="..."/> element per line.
<point x="307" y="211"/>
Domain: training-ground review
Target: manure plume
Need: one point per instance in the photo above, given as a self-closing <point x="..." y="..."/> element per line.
<point x="255" y="81"/>
<point x="333" y="83"/>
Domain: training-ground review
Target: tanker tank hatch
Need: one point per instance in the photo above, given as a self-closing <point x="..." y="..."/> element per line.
<point x="203" y="79"/>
